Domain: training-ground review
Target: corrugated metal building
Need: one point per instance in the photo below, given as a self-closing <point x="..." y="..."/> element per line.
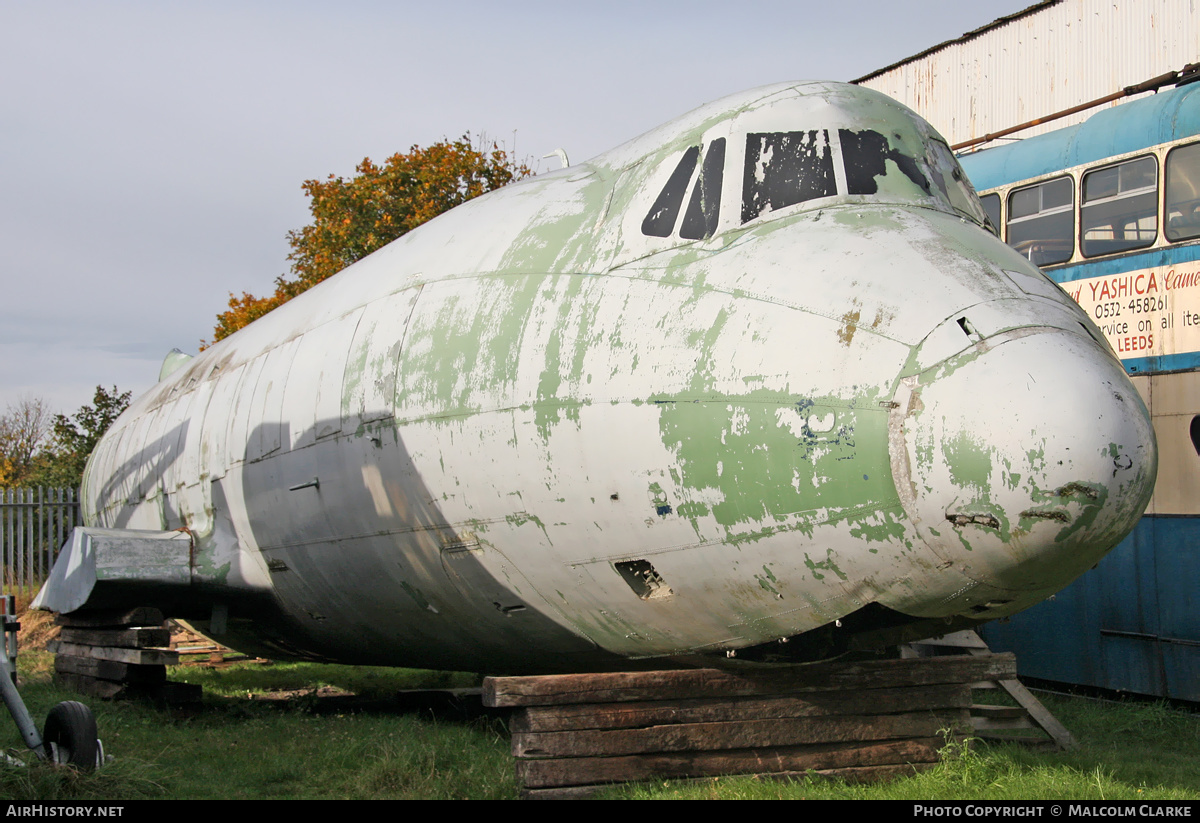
<point x="1049" y="57"/>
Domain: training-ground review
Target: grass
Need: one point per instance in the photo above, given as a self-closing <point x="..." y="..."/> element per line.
<point x="1127" y="751"/>
<point x="241" y="744"/>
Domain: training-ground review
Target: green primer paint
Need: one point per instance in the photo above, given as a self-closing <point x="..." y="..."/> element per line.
<point x="969" y="461"/>
<point x="824" y="565"/>
<point x="751" y="465"/>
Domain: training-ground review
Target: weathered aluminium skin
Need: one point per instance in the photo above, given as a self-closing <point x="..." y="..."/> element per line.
<point x="531" y="436"/>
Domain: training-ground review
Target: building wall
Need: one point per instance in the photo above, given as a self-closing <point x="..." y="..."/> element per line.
<point x="1049" y="57"/>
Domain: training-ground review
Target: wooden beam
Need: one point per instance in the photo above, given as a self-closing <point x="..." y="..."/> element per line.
<point x="616" y="687"/>
<point x="815" y="704"/>
<point x="795" y="759"/>
<point x="734" y="735"/>
<point x="146" y="657"/>
<point x="103" y="618"/>
<point x="128" y="638"/>
<point x="109" y="669"/>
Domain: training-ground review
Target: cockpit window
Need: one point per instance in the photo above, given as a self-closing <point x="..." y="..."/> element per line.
<point x="785" y="168"/>
<point x="866" y="153"/>
<point x="660" y="221"/>
<point x="953" y="183"/>
<point x="704" y="209"/>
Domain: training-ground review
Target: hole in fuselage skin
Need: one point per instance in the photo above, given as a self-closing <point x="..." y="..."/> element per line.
<point x="968" y="329"/>
<point x="643" y="579"/>
<point x="1195" y="433"/>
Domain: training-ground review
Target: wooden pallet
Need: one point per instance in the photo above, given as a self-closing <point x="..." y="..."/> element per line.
<point x="575" y="734"/>
<point x="197" y="650"/>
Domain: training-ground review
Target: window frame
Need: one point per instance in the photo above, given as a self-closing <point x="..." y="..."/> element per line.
<point x="1166" y="168"/>
<point x="1118" y="164"/>
<point x="1069" y="208"/>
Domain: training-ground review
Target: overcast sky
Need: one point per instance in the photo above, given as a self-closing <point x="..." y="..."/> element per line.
<point x="153" y="152"/>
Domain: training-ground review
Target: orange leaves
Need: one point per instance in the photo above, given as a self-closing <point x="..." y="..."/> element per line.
<point x="354" y="217"/>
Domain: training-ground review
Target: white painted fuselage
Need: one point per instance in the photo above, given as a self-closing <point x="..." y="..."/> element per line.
<point x="757" y="371"/>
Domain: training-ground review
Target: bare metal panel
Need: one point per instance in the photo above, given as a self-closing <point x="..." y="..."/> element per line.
<point x="313" y="394"/>
<point x="97" y="566"/>
<point x="369" y="382"/>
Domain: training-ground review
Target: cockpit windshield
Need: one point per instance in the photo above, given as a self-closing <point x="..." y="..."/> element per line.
<point x="785" y="168"/>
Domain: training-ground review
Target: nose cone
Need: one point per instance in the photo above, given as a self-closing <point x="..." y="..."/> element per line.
<point x="1023" y="462"/>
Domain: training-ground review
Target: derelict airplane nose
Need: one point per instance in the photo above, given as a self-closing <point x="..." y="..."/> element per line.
<point x="1024" y="461"/>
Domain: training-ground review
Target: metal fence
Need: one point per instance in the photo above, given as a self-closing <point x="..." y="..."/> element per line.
<point x="34" y="523"/>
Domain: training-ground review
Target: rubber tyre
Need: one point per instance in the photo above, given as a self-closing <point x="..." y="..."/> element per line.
<point x="71" y="727"/>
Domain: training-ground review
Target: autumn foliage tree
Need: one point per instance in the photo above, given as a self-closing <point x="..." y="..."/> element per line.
<point x="353" y="217"/>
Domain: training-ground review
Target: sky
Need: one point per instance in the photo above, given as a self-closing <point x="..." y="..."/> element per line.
<point x="152" y="153"/>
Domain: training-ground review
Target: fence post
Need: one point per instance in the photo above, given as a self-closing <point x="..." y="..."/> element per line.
<point x="33" y="528"/>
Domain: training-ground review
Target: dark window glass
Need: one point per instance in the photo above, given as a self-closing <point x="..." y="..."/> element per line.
<point x="865" y="155"/>
<point x="991" y="205"/>
<point x="704" y="209"/>
<point x="952" y="182"/>
<point x="1041" y="221"/>
<point x="660" y="221"/>
<point x="1183" y="192"/>
<point x="785" y="168"/>
<point x="1119" y="210"/>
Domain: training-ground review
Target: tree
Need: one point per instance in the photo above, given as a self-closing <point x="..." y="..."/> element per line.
<point x="73" y="439"/>
<point x="24" y="428"/>
<point x="354" y="217"/>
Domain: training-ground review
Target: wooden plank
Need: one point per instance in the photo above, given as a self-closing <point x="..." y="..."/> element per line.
<point x="145" y="657"/>
<point x="814" y="704"/>
<point x="866" y="774"/>
<point x="979" y="710"/>
<point x="94" y="687"/>
<point x="109" y="669"/>
<point x="616" y="687"/>
<point x="998" y="723"/>
<point x="169" y="692"/>
<point x="105" y="618"/>
<point x="127" y="638"/>
<point x="734" y="735"/>
<point x="1039" y="714"/>
<point x="793" y="759"/>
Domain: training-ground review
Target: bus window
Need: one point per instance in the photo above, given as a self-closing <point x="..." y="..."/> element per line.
<point x="1120" y="207"/>
<point x="991" y="205"/>
<point x="1183" y="192"/>
<point x="785" y="168"/>
<point x="1041" y="221"/>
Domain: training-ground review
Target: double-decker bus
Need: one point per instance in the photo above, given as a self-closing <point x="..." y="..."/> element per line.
<point x="1110" y="210"/>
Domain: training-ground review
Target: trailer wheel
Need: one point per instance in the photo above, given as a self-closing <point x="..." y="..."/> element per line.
<point x="71" y="732"/>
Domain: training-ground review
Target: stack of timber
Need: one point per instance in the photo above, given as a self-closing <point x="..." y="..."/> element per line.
<point x="863" y="721"/>
<point x="118" y="654"/>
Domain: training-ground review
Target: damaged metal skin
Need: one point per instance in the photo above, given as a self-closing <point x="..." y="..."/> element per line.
<point x="729" y="383"/>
